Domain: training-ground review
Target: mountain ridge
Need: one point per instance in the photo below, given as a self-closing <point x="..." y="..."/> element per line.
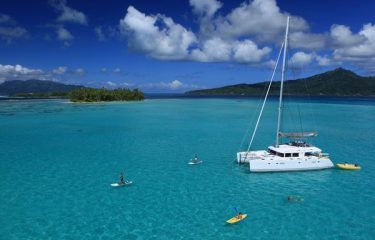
<point x="337" y="82"/>
<point x="14" y="87"/>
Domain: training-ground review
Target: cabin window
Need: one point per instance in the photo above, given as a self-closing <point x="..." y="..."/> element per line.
<point x="272" y="152"/>
<point x="288" y="154"/>
<point x="280" y="154"/>
<point x="308" y="154"/>
<point x="295" y="154"/>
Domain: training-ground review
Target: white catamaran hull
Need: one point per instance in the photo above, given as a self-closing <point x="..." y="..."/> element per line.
<point x="289" y="165"/>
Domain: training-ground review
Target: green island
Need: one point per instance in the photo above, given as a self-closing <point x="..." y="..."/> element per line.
<point x="105" y="95"/>
<point x="40" y="89"/>
<point x="338" y="82"/>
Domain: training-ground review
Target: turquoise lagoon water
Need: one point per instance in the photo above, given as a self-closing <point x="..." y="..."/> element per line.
<point x="58" y="160"/>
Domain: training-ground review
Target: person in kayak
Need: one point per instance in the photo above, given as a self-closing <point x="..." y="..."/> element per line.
<point x="122" y="178"/>
<point x="196" y="158"/>
<point x="239" y="215"/>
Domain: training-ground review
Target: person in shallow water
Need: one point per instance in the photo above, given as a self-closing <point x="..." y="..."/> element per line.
<point x="122" y="178"/>
<point x="292" y="198"/>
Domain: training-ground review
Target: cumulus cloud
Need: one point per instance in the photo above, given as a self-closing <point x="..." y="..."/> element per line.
<point x="324" y="60"/>
<point x="259" y="19"/>
<point x="247" y="34"/>
<point x="64" y="35"/>
<point x="205" y="8"/>
<point x="18" y="72"/>
<point x="117" y="70"/>
<point x="9" y="29"/>
<point x="219" y="50"/>
<point x="175" y="85"/>
<point x="365" y="49"/>
<point x="68" y="14"/>
<point x="342" y="36"/>
<point x="358" y="49"/>
<point x="301" y="59"/>
<point x="159" y="36"/>
<point x="112" y="84"/>
<point x="60" y="70"/>
<point x="308" y="41"/>
<point x="79" y="71"/>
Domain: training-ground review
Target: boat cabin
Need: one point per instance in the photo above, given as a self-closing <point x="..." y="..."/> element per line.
<point x="296" y="149"/>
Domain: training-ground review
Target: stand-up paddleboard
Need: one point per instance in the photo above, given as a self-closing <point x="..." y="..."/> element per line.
<point x="121" y="184"/>
<point x="192" y="162"/>
<point x="237" y="218"/>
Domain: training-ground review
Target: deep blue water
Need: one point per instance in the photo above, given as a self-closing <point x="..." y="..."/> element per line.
<point x="58" y="159"/>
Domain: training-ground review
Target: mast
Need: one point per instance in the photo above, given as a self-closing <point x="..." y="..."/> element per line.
<point x="282" y="83"/>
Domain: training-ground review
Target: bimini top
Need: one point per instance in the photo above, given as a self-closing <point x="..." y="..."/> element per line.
<point x="298" y="134"/>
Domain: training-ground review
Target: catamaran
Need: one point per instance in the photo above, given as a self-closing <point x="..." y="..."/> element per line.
<point x="295" y="155"/>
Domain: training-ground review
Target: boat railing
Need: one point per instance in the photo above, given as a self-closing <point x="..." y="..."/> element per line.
<point x="324" y="155"/>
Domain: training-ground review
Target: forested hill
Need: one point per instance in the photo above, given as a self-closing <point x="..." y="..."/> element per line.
<point x="339" y="82"/>
<point x="14" y="87"/>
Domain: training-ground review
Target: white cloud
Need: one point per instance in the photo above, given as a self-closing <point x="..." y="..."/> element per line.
<point x="259" y="19"/>
<point x="18" y="72"/>
<point x="7" y="19"/>
<point x="172" y="41"/>
<point x="68" y="14"/>
<point x="9" y="29"/>
<point x="79" y="71"/>
<point x="342" y="36"/>
<point x="247" y="34"/>
<point x="305" y="40"/>
<point x="117" y="70"/>
<point x="247" y="51"/>
<point x="214" y="49"/>
<point x="351" y="49"/>
<point x="64" y="35"/>
<point x="100" y="34"/>
<point x="219" y="50"/>
<point x="60" y="70"/>
<point x="103" y="70"/>
<point x="112" y="84"/>
<point x="324" y="60"/>
<point x="205" y="8"/>
<point x="158" y="36"/>
<point x="365" y="49"/>
<point x="174" y="85"/>
<point x="301" y="59"/>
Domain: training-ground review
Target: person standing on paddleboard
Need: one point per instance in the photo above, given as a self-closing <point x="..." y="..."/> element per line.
<point x="122" y="178"/>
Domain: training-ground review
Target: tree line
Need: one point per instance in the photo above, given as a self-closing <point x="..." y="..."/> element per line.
<point x="104" y="95"/>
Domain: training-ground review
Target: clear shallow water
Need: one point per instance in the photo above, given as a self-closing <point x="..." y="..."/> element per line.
<point x="58" y="159"/>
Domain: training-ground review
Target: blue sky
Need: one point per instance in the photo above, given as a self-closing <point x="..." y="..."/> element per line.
<point x="174" y="46"/>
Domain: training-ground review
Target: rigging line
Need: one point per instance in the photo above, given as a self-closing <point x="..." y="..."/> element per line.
<point x="264" y="101"/>
<point x="251" y="122"/>
<point x="294" y="73"/>
<point x="310" y="105"/>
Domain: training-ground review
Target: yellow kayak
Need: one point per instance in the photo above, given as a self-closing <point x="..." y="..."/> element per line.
<point x="237" y="218"/>
<point x="348" y="166"/>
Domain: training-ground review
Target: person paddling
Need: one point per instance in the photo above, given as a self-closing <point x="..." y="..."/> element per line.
<point x="122" y="178"/>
